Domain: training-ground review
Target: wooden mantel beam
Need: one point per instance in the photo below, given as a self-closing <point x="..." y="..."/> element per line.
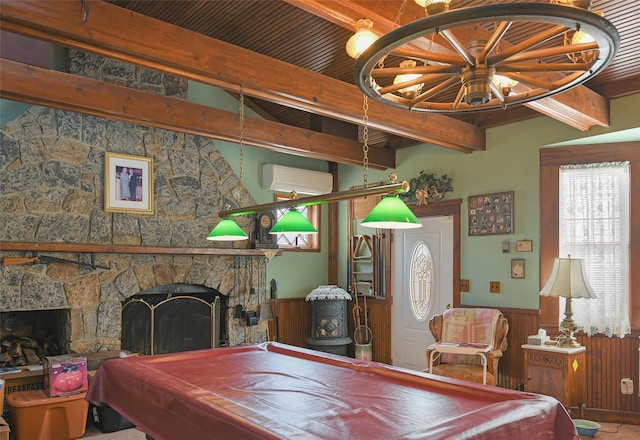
<point x="50" y="88"/>
<point x="167" y="48"/>
<point x="579" y="107"/>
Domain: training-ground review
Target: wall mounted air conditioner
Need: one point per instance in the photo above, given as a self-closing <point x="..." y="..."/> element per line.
<point x="286" y="179"/>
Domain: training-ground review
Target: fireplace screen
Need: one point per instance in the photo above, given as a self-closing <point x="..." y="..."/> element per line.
<point x="171" y="319"/>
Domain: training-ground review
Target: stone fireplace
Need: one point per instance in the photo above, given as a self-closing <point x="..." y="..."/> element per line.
<point x="51" y="203"/>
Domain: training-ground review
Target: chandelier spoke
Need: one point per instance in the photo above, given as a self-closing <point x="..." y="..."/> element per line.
<point x="458" y="46"/>
<point x="422" y="70"/>
<point x="530" y="42"/>
<point x="434" y="91"/>
<point x="549" y="67"/>
<point x="539" y="54"/>
<point x="407" y="84"/>
<point x="423" y="55"/>
<point x="493" y="41"/>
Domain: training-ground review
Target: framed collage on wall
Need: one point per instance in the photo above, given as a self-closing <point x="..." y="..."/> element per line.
<point x="491" y="214"/>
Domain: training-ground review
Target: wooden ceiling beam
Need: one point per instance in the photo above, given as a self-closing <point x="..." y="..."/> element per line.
<point x="35" y="85"/>
<point x="579" y="107"/>
<point x="157" y="45"/>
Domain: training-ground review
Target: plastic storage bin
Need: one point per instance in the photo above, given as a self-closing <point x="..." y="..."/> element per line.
<point x="34" y="416"/>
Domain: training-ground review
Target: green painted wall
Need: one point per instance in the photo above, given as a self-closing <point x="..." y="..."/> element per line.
<point x="510" y="163"/>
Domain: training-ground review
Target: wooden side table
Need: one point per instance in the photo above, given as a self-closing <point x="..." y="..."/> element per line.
<point x="557" y="372"/>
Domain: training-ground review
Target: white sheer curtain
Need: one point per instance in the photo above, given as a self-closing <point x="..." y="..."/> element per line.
<point x="594" y="226"/>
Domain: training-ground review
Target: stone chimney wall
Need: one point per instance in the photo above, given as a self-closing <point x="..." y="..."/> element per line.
<point x="52" y="191"/>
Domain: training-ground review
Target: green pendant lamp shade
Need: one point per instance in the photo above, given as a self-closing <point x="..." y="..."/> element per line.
<point x="391" y="213"/>
<point x="293" y="223"/>
<point x="227" y="230"/>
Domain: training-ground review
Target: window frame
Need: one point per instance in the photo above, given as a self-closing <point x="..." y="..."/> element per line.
<point x="314" y="218"/>
<point x="550" y="161"/>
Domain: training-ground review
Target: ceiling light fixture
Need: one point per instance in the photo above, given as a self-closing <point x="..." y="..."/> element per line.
<point x="227" y="229"/>
<point x="361" y="39"/>
<point x="458" y="54"/>
<point x="293" y="222"/>
<point x="390" y="212"/>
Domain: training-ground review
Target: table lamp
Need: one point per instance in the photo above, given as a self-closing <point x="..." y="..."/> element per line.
<point x="568" y="280"/>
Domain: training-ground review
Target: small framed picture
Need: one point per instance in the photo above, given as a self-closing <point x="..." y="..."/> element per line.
<point x="128" y="184"/>
<point x="524" y="246"/>
<point x="517" y="268"/>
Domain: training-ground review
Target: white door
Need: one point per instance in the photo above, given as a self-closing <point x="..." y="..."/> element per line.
<point x="422" y="280"/>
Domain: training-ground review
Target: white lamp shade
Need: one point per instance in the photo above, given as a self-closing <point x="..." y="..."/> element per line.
<point x="568" y="280"/>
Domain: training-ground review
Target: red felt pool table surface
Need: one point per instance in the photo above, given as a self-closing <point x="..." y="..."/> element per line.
<point x="272" y="390"/>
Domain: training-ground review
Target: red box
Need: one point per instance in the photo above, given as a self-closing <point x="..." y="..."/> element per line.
<point x="65" y="374"/>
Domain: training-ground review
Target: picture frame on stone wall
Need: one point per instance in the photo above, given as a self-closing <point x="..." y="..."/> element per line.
<point x="128" y="184"/>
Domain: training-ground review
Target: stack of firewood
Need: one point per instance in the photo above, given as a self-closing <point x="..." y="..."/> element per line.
<point x="18" y="351"/>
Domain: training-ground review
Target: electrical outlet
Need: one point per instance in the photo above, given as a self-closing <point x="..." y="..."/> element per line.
<point x="464" y="285"/>
<point x="494" y="286"/>
<point x="626" y="386"/>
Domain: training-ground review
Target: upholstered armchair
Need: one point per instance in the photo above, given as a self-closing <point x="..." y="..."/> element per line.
<point x="469" y="326"/>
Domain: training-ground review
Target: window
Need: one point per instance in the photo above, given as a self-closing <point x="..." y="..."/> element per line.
<point x="594" y="226"/>
<point x="573" y="237"/>
<point x="307" y="242"/>
<point x="421" y="287"/>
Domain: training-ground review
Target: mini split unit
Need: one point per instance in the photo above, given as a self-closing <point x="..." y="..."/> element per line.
<point x="286" y="179"/>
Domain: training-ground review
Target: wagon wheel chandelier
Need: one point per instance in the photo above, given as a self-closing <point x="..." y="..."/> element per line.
<point x="479" y="58"/>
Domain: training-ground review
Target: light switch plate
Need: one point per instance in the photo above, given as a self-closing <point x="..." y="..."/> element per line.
<point x="464" y="285"/>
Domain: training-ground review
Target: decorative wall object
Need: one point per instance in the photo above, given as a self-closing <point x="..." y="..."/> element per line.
<point x="128" y="184"/>
<point x="517" y="268"/>
<point x="524" y="246"/>
<point x="491" y="214"/>
<point x="426" y="187"/>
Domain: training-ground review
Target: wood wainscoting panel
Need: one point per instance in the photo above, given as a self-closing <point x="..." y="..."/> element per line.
<point x="608" y="361"/>
<point x="522" y="323"/>
<point x="293" y="321"/>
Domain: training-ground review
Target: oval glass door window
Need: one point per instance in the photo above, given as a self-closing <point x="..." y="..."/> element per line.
<point x="421" y="280"/>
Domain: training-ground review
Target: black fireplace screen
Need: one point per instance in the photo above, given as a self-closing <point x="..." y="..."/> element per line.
<point x="173" y="318"/>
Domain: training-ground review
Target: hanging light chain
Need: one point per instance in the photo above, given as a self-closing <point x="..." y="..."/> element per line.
<point x="365" y="138"/>
<point x="241" y="137"/>
<point x="400" y="12"/>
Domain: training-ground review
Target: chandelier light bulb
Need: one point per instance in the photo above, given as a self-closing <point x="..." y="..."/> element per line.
<point x="408" y="91"/>
<point x="434" y="6"/>
<point x="362" y="39"/>
<point x="504" y="84"/>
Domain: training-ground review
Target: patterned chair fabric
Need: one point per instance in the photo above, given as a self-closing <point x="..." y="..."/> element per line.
<point x="470" y="325"/>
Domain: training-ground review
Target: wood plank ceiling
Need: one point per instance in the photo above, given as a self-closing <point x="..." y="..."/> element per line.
<point x="299" y="32"/>
<point x="311" y="35"/>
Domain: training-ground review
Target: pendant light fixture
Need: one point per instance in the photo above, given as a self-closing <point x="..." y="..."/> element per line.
<point x="227" y="229"/>
<point x="390" y="212"/>
<point x="293" y="222"/>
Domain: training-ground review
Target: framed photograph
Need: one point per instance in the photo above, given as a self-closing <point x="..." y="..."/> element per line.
<point x="128" y="184"/>
<point x="517" y="268"/>
<point x="524" y="246"/>
<point x="491" y="214"/>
